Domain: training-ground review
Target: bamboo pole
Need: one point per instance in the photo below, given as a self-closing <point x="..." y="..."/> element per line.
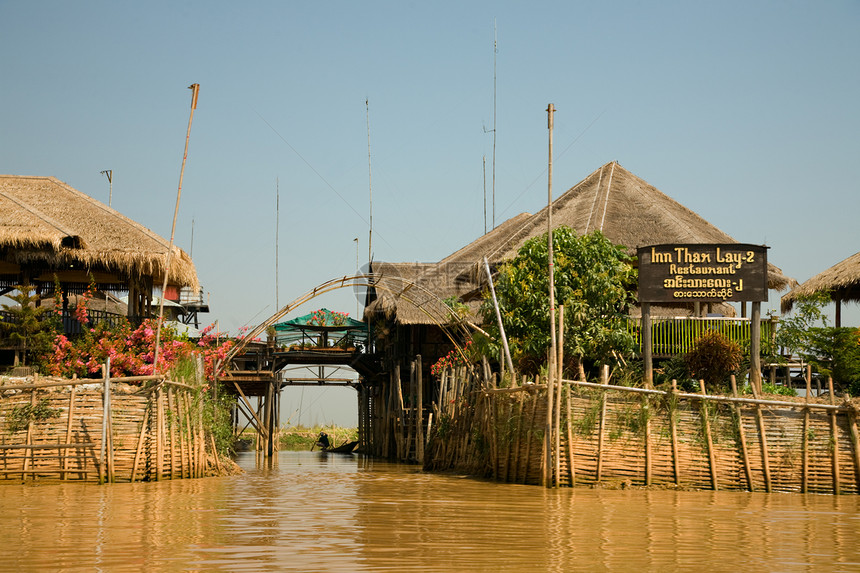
<point x="742" y="436"/>
<point x="557" y="400"/>
<point x="517" y="439"/>
<point x="648" y="456"/>
<point x="548" y="436"/>
<point x="600" y="436"/>
<point x="533" y="418"/>
<point x="674" y="434"/>
<point x="146" y="413"/>
<point x="419" y="416"/>
<point x="706" y="426"/>
<point x="764" y="450"/>
<point x="855" y="443"/>
<point x="570" y="460"/>
<point x="172" y="408"/>
<point x="834" y="438"/>
<point x="159" y="435"/>
<point x="28" y="456"/>
<point x="71" y="418"/>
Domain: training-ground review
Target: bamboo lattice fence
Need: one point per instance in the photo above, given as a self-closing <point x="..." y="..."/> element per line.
<point x="619" y="436"/>
<point x="91" y="430"/>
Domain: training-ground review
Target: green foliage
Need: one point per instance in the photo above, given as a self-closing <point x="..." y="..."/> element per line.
<point x="21" y="416"/>
<point x="595" y="282"/>
<point x="835" y="352"/>
<point x="793" y="333"/>
<point x="675" y="368"/>
<point x="713" y="357"/>
<point x="458" y="311"/>
<point x="32" y="329"/>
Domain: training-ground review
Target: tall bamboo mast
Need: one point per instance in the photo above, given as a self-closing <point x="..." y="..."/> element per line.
<point x="369" y="185"/>
<point x="195" y="89"/>
<point x="552" y="354"/>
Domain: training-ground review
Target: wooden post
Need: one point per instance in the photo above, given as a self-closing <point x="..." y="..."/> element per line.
<point x="171" y="422"/>
<point x="742" y="436"/>
<point x="550" y="373"/>
<point x="516" y="444"/>
<point x="646" y="345"/>
<point x="855" y="440"/>
<point x="570" y="460"/>
<point x="146" y="413"/>
<point x="764" y="451"/>
<point x="755" y="347"/>
<point x="419" y="415"/>
<point x="674" y="434"/>
<point x="600" y="435"/>
<point x="706" y="426"/>
<point x="834" y="438"/>
<point x="560" y="366"/>
<point x="646" y="406"/>
<point x="71" y="418"/>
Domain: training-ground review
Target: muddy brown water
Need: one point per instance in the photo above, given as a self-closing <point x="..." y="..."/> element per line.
<point x="306" y="511"/>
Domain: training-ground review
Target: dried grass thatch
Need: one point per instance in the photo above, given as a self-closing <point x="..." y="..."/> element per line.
<point x="48" y="225"/>
<point x="841" y="282"/>
<point x="626" y="209"/>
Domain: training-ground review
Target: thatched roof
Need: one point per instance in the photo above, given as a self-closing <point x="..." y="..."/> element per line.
<point x="629" y="212"/>
<point x="48" y="225"/>
<point x="841" y="281"/>
<point x="625" y="208"/>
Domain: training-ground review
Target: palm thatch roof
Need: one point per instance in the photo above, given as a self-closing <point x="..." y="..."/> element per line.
<point x="47" y="225"/>
<point x="841" y="282"/>
<point x="625" y="208"/>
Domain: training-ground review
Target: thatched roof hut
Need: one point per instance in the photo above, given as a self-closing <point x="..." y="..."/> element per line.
<point x="625" y="208"/>
<point x="628" y="211"/>
<point x="48" y="229"/>
<point x="841" y="282"/>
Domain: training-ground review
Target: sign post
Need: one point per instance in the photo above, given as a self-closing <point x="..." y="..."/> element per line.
<point x="696" y="273"/>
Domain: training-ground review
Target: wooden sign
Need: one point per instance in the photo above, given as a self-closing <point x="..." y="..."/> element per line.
<point x="731" y="272"/>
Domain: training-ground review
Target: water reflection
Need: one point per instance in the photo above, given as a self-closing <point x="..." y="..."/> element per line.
<point x="311" y="512"/>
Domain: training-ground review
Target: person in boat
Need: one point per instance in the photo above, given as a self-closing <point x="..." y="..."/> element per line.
<point x="323" y="441"/>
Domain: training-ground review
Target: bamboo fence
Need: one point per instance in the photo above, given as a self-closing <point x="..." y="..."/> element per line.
<point x="105" y="431"/>
<point x="615" y="436"/>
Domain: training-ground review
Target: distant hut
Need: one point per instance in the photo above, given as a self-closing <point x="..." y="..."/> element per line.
<point x="841" y="282"/>
<point x="51" y="233"/>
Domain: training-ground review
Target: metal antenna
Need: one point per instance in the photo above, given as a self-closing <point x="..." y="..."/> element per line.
<point x="109" y="174"/>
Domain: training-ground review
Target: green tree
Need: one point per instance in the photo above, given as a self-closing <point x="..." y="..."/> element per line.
<point x="30" y="329"/>
<point x="794" y="332"/>
<point x="595" y="282"/>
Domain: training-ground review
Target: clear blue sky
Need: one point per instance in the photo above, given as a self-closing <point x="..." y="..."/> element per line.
<point x="745" y="112"/>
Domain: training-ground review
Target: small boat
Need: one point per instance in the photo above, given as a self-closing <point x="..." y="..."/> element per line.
<point x="345" y="448"/>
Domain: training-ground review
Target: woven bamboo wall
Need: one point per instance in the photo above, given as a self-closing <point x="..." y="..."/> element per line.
<point x="614" y="437"/>
<point x="54" y="431"/>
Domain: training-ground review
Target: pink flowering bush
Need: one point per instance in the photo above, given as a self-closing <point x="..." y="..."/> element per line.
<point x="451" y="360"/>
<point x="132" y="351"/>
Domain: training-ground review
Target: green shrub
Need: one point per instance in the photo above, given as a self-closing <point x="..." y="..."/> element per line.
<point x="713" y="357"/>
